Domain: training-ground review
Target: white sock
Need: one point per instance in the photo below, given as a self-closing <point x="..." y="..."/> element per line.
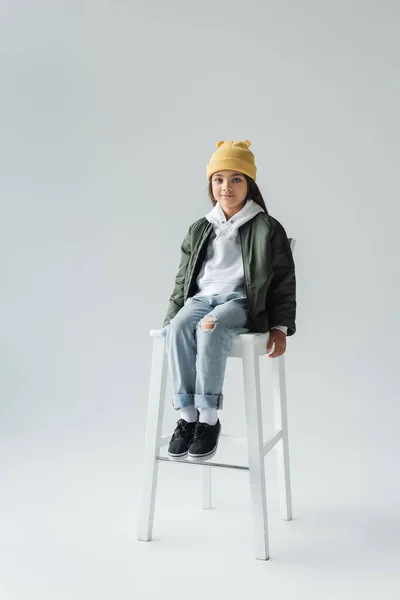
<point x="208" y="415"/>
<point x="189" y="413"/>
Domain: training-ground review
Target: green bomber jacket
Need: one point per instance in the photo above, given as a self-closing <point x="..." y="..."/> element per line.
<point x="268" y="266"/>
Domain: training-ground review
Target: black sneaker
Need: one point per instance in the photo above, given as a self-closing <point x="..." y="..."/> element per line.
<point x="205" y="441"/>
<point x="181" y="438"/>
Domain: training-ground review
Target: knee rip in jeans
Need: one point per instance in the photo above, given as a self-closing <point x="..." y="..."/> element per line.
<point x="208" y="323"/>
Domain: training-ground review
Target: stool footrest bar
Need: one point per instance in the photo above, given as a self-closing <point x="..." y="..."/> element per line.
<point x="206" y="463"/>
<point x="269" y="444"/>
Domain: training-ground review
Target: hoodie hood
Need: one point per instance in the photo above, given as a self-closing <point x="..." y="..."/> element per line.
<point x="229" y="229"/>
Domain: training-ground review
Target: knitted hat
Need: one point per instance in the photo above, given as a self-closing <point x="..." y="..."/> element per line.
<point x="232" y="155"/>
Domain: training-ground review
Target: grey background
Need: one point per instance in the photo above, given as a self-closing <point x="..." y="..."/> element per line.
<point x="109" y="112"/>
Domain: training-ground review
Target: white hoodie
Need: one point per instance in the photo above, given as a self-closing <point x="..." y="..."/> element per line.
<point x="222" y="269"/>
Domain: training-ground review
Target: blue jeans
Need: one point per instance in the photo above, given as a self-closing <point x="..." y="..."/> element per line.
<point x="196" y="356"/>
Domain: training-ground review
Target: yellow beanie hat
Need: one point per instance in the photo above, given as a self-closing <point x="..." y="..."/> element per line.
<point x="233" y="155"/>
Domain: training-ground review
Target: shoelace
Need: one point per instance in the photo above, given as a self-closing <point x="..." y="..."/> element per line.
<point x="181" y="429"/>
<point x="200" y="429"/>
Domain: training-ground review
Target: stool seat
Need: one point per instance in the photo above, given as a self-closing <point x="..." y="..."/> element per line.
<point x="259" y="341"/>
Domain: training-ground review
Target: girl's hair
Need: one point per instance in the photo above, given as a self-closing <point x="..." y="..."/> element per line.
<point x="253" y="192"/>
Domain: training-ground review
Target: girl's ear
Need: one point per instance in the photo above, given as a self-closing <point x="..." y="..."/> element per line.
<point x="220" y="143"/>
<point x="247" y="143"/>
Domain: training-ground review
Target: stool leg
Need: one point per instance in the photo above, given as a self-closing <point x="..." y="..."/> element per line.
<point x="155" y="414"/>
<point x="282" y="447"/>
<point x="255" y="443"/>
<point x="206" y="487"/>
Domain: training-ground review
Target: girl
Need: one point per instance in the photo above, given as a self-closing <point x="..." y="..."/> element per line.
<point x="236" y="275"/>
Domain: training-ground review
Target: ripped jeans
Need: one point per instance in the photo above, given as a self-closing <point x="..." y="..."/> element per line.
<point x="198" y="341"/>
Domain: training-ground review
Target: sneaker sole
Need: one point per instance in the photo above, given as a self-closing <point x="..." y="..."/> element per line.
<point x="204" y="457"/>
<point x="176" y="456"/>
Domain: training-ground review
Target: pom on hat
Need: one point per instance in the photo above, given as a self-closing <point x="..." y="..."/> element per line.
<point x="235" y="155"/>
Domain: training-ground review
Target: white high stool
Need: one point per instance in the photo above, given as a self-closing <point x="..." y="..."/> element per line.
<point x="249" y="347"/>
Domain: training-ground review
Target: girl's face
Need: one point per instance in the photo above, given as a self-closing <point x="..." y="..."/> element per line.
<point x="229" y="188"/>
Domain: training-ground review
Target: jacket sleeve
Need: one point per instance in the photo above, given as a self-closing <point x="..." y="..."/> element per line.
<point x="176" y="300"/>
<point x="281" y="295"/>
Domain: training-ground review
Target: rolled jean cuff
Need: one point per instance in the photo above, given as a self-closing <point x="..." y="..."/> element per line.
<point x="209" y="401"/>
<point x="182" y="400"/>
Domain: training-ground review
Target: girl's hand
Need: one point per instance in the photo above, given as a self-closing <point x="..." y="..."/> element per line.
<point x="277" y="336"/>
